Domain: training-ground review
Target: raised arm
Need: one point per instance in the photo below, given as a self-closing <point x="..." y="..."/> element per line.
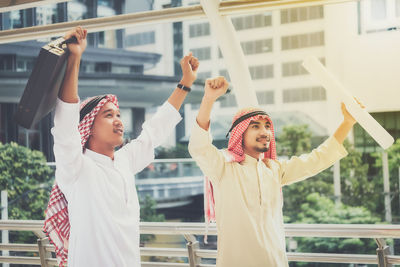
<point x="213" y="89"/>
<point x="156" y="130"/>
<point x="189" y="65"/>
<point x="208" y="157"/>
<point x="67" y="140"/>
<point x="69" y="89"/>
<point x="332" y="150"/>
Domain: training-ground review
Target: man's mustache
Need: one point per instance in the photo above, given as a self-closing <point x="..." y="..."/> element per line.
<point x="263" y="137"/>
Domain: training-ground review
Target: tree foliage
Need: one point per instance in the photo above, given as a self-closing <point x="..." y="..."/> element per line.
<point x="394" y="176"/>
<point x="27" y="179"/>
<point x="179" y="151"/>
<point x="294" y="140"/>
<point x="312" y="201"/>
<point x="357" y="188"/>
<point x="318" y="209"/>
<point x="148" y="213"/>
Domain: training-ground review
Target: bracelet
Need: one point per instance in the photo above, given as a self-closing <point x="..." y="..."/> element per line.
<point x="187" y="89"/>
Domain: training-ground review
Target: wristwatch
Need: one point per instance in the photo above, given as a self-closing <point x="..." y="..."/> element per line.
<point x="187" y="89"/>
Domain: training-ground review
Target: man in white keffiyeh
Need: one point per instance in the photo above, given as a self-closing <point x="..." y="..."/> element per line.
<point x="93" y="214"/>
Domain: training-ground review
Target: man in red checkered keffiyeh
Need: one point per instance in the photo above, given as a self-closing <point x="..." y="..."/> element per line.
<point x="93" y="214"/>
<point x="246" y="179"/>
<point x="56" y="225"/>
<point x="235" y="151"/>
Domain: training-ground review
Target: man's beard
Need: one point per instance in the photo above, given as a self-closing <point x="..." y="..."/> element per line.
<point x="262" y="149"/>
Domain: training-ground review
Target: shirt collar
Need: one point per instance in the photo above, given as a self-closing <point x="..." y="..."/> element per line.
<point x="100" y="158"/>
<point x="250" y="160"/>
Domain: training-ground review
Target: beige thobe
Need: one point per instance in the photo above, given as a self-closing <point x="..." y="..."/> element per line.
<point x="249" y="201"/>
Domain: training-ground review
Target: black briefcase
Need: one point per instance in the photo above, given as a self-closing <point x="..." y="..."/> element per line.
<point x="44" y="83"/>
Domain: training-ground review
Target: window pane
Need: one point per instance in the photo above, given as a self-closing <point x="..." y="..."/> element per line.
<point x="378" y="9"/>
<point x="284" y="16"/>
<point x="397" y="8"/>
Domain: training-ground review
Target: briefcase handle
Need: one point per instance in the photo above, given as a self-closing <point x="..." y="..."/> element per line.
<point x="70" y="40"/>
<point x="61" y="42"/>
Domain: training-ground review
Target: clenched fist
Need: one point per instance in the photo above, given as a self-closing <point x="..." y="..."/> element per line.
<point x="189" y="65"/>
<point x="215" y="87"/>
<point x="76" y="49"/>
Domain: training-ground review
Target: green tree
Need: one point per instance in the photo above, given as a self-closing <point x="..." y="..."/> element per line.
<point x="311" y="201"/>
<point x="27" y="179"/>
<point x="178" y="151"/>
<point x="358" y="189"/>
<point x="319" y="209"/>
<point x="148" y="213"/>
<point x="294" y="141"/>
<point x="393" y="158"/>
<point x="295" y="194"/>
<point x="394" y="165"/>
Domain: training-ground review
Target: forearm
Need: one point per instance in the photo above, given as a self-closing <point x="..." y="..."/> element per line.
<point x="342" y="131"/>
<point x="178" y="95"/>
<point x="203" y="118"/>
<point x="69" y="89"/>
<point x="189" y="65"/>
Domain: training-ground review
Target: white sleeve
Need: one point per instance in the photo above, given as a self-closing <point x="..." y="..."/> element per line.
<point x="210" y="160"/>
<point x="156" y="130"/>
<point x="67" y="143"/>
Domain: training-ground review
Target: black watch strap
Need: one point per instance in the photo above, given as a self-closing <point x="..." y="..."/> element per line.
<point x="187" y="89"/>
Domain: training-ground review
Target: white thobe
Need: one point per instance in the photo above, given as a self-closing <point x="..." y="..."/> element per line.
<point x="102" y="200"/>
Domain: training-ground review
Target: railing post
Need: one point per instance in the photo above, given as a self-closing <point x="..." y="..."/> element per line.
<point x="4" y="216"/>
<point x="382" y="251"/>
<point x="386" y="187"/>
<point x="192" y="246"/>
<point x="180" y="166"/>
<point x="44" y="255"/>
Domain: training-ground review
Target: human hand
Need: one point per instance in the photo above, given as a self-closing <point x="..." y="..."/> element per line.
<point x="346" y="114"/>
<point x="215" y="87"/>
<point x="77" y="49"/>
<point x="189" y="66"/>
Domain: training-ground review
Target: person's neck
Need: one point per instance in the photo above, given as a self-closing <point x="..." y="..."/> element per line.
<point x="253" y="154"/>
<point x="104" y="150"/>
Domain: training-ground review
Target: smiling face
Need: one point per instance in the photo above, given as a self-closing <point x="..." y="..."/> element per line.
<point x="107" y="130"/>
<point x="257" y="137"/>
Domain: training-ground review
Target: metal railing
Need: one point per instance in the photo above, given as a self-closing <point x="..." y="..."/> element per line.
<point x="168" y="181"/>
<point x="167" y="168"/>
<point x="194" y="254"/>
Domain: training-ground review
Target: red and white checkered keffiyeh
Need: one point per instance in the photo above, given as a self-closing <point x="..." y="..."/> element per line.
<point x="235" y="144"/>
<point x="235" y="153"/>
<point x="56" y="224"/>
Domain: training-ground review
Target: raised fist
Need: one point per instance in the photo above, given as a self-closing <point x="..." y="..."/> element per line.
<point x="215" y="87"/>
